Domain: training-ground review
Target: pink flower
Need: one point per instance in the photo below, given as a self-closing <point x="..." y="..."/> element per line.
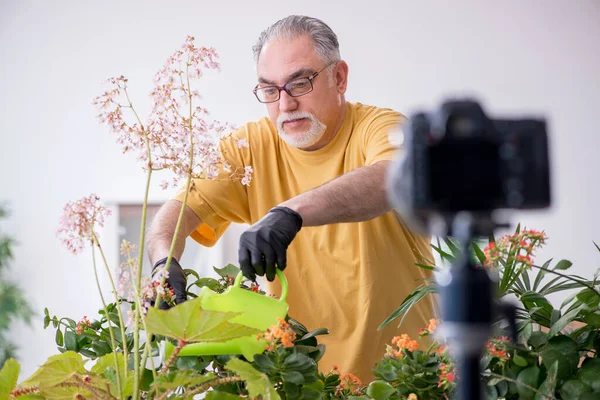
<point x="76" y="225"/>
<point x="177" y="136"/>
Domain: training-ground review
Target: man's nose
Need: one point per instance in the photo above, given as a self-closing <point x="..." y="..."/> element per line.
<point x="286" y="102"/>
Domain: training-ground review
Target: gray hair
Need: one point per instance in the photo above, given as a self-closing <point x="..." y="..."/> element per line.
<point x="324" y="39"/>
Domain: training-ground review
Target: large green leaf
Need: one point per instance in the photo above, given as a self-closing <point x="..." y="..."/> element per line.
<point x="257" y="383"/>
<point x="107" y="363"/>
<point x="573" y="389"/>
<point x="529" y="377"/>
<point x="188" y="322"/>
<point x="589" y="373"/>
<point x="9" y="374"/>
<point x="562" y="349"/>
<point x="56" y="370"/>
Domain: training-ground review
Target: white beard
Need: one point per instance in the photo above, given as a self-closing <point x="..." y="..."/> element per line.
<point x="304" y="139"/>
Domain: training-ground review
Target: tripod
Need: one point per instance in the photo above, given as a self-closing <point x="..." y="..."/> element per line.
<point x="468" y="307"/>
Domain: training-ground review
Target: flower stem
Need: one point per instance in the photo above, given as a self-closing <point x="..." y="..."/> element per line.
<point x="110" y="332"/>
<point x="138" y="284"/>
<point x="118" y="303"/>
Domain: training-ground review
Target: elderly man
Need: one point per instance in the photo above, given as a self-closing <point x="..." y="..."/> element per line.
<point x="317" y="201"/>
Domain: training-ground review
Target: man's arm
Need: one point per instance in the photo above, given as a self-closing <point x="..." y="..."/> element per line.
<point x="358" y="195"/>
<point x="160" y="234"/>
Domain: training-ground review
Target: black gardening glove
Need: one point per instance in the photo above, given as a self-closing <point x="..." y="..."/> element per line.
<point x="176" y="281"/>
<point x="263" y="247"/>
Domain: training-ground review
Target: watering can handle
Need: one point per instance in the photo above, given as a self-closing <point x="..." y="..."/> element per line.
<point x="282" y="278"/>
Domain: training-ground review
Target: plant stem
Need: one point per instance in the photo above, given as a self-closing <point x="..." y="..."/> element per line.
<point x="138" y="281"/>
<point x="516" y="382"/>
<point x="173" y="357"/>
<point x="110" y="332"/>
<point x="97" y="393"/>
<point x="214" y="382"/>
<point x="118" y="305"/>
<point x="582" y="283"/>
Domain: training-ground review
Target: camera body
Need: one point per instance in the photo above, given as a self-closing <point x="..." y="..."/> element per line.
<point x="456" y="159"/>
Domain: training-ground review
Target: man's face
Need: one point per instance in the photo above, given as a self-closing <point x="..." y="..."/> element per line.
<point x="305" y="121"/>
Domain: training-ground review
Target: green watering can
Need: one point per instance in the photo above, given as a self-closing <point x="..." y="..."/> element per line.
<point x="256" y="311"/>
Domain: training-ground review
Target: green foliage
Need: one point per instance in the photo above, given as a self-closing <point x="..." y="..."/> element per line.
<point x="551" y="360"/>
<point x="12" y="303"/>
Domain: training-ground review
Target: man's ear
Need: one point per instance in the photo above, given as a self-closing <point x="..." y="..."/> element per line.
<point x="341" y="76"/>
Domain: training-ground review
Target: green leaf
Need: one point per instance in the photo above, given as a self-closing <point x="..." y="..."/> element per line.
<point x="589" y="298"/>
<point x="56" y="370"/>
<point x="101" y="348"/>
<point x="445" y="256"/>
<point x="228" y="270"/>
<point x="573" y="389"/>
<point x="427" y="267"/>
<point x="59" y="338"/>
<point x="217" y="395"/>
<point x="540" y="275"/>
<point x="187" y="321"/>
<point x="526" y="282"/>
<point x="380" y="390"/>
<point x="9" y="374"/>
<point x="413" y="298"/>
<point x="538" y="339"/>
<point x="529" y="376"/>
<point x="184" y="378"/>
<point x="589" y="372"/>
<point x="520" y="361"/>
<point x="316" y="332"/>
<point x="70" y="340"/>
<point x="265" y="363"/>
<point x="479" y="253"/>
<point x="257" y="383"/>
<point x="563" y="321"/>
<point x="527" y="330"/>
<point x="211" y="283"/>
<point x="562" y="349"/>
<point x="293" y="377"/>
<point x="563" y="265"/>
<point x="189" y="272"/>
<point x="46" y="321"/>
<point x="592" y="319"/>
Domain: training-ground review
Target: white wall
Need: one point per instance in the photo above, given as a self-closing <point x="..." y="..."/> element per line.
<point x="519" y="57"/>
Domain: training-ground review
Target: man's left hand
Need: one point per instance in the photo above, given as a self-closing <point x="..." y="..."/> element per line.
<point x="263" y="247"/>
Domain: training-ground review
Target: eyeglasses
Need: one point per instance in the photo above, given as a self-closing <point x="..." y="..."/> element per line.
<point x="296" y="88"/>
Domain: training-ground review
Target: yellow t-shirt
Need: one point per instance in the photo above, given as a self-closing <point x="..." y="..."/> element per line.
<point x="346" y="277"/>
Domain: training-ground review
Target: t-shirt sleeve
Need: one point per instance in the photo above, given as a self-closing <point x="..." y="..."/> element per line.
<point x="381" y="141"/>
<point x="220" y="201"/>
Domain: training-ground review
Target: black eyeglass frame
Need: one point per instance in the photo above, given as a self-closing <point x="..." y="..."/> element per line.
<point x="286" y="86"/>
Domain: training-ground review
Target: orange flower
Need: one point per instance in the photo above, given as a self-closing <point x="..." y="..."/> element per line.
<point x="405" y="342"/>
<point x="279" y="335"/>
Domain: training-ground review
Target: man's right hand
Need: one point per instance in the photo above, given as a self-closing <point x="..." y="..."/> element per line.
<point x="176" y="281"/>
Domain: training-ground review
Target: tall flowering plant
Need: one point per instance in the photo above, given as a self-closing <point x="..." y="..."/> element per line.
<point x="555" y="355"/>
<point x="178" y="137"/>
